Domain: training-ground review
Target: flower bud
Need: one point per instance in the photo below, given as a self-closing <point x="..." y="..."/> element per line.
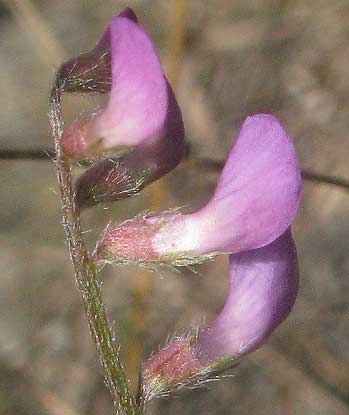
<point x="262" y="291"/>
<point x="255" y="201"/>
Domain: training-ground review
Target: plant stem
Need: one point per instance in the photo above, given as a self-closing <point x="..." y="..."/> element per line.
<point x="86" y="274"/>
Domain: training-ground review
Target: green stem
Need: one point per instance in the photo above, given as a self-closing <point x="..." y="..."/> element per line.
<point x="86" y="274"/>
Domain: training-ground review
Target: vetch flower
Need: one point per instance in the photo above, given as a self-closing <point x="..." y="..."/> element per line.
<point x="140" y="130"/>
<point x="255" y="201"/>
<point x="262" y="291"/>
<point x="139" y="92"/>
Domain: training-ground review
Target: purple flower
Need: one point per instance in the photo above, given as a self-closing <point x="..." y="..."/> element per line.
<point x="255" y="201"/>
<point x="141" y="116"/>
<point x="262" y="291"/>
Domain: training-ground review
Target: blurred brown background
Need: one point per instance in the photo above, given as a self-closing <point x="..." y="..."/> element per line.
<point x="228" y="58"/>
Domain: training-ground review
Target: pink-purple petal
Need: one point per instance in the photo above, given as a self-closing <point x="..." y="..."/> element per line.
<point x="257" y="195"/>
<point x="138" y="100"/>
<point x="255" y="201"/>
<point x="262" y="291"/>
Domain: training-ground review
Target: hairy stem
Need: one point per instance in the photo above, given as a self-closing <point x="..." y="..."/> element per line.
<point x="86" y="274"/>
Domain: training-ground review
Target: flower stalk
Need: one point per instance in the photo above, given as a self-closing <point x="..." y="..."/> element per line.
<point x="86" y="273"/>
